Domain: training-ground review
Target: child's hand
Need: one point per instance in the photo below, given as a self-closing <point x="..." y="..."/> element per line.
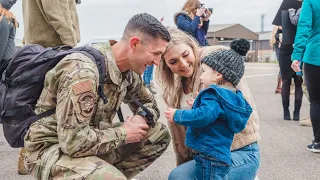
<point x="169" y="114"/>
<point x="190" y="101"/>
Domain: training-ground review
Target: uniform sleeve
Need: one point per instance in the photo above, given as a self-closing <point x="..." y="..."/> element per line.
<point x="304" y="30"/>
<point x="76" y="104"/>
<point x="138" y="90"/>
<point x="59" y="16"/>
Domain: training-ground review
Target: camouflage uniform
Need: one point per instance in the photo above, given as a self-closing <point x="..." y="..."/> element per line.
<point x="81" y="141"/>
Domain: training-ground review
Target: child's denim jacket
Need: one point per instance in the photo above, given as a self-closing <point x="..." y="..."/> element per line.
<point x="217" y="114"/>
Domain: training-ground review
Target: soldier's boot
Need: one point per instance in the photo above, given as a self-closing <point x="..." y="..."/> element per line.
<point x="21" y="168"/>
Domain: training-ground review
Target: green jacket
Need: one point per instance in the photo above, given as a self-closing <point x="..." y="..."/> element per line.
<point x="51" y="22"/>
<point x="307" y="41"/>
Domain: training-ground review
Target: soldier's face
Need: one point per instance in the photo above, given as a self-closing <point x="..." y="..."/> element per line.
<point x="180" y="59"/>
<point x="148" y="53"/>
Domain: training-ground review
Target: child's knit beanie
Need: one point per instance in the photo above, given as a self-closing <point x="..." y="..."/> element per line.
<point x="230" y="63"/>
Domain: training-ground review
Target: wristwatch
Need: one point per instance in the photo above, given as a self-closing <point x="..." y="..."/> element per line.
<point x="149" y="119"/>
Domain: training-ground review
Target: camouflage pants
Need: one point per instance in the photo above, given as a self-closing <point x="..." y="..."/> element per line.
<point x="121" y="164"/>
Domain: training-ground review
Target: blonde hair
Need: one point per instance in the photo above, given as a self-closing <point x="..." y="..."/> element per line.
<point x="9" y="15"/>
<point x="170" y="83"/>
<point x="190" y="5"/>
<point x="273" y="36"/>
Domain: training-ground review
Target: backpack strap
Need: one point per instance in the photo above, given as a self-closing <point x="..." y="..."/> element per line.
<point x="42" y="115"/>
<point x="102" y="73"/>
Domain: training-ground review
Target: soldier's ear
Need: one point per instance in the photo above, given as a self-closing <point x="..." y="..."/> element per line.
<point x="134" y="41"/>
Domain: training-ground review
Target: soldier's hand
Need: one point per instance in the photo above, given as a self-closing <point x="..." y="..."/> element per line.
<point x="135" y="132"/>
<point x="138" y="119"/>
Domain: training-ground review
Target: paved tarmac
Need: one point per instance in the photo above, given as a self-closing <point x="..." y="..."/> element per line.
<point x="283" y="154"/>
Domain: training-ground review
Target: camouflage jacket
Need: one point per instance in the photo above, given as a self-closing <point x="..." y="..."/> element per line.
<point x="83" y="125"/>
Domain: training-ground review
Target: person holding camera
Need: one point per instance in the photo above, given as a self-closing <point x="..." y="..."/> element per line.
<point x="194" y="19"/>
<point x="56" y="21"/>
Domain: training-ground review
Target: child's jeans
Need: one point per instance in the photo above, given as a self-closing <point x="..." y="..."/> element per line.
<point x="208" y="168"/>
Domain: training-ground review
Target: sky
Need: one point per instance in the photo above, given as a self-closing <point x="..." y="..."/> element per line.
<point x="100" y="19"/>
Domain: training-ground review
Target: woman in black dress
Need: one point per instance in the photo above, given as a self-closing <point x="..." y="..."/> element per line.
<point x="286" y="49"/>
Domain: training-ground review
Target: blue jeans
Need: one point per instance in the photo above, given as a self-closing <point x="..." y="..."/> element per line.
<point x="147" y="75"/>
<point x="245" y="163"/>
<point x="208" y="168"/>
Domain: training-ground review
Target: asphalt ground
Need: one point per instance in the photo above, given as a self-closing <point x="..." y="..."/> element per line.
<point x="283" y="143"/>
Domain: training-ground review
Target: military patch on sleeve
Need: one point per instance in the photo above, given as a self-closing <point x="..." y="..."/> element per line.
<point x="82" y="87"/>
<point x="86" y="102"/>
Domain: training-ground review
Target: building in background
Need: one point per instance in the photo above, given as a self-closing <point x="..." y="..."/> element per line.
<point x="223" y="34"/>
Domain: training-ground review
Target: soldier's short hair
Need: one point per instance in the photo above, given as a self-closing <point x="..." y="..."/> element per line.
<point x="147" y="25"/>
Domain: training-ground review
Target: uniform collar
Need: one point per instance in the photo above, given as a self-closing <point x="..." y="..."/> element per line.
<point x="111" y="67"/>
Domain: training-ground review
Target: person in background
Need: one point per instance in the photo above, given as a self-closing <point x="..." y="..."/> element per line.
<point x="148" y="77"/>
<point x="294" y="18"/>
<point x="8" y="26"/>
<point x="276" y="43"/>
<point x="178" y="74"/>
<point x="286" y="49"/>
<point x="194" y="19"/>
<point x="306" y="50"/>
<point x="56" y="21"/>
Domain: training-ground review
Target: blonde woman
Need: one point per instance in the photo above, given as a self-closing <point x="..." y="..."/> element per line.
<point x="194" y="20"/>
<point x="179" y="76"/>
<point x="275" y="42"/>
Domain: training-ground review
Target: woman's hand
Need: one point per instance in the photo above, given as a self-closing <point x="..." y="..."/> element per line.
<point x="169" y="114"/>
<point x="296" y="66"/>
<point x="208" y="14"/>
<point x="201" y="11"/>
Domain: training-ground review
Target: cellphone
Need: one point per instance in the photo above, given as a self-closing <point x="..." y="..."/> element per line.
<point x="78" y="1"/>
<point x="210" y="9"/>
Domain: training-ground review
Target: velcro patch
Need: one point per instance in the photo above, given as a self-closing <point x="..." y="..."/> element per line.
<point x="86" y="102"/>
<point x="82" y="87"/>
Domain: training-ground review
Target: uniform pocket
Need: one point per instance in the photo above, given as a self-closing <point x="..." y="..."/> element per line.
<point x="74" y="168"/>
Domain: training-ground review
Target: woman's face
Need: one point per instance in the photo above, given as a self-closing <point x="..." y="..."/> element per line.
<point x="180" y="59"/>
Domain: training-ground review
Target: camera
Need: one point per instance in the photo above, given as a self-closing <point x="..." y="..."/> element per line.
<point x="206" y="9"/>
<point x="78" y="1"/>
